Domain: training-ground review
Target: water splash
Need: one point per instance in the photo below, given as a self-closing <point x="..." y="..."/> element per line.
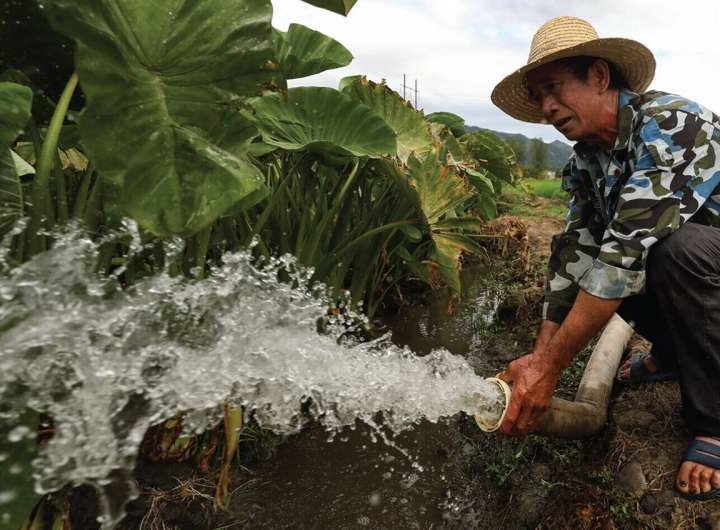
<point x="106" y="363"/>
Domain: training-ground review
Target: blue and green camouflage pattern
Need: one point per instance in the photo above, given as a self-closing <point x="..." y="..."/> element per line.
<point x="663" y="170"/>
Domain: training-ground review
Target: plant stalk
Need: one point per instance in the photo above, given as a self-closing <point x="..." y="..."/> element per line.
<point x="60" y="190"/>
<point x="198" y="249"/>
<point x="81" y="198"/>
<point x="233" y="421"/>
<point x="92" y="210"/>
<point x="42" y="208"/>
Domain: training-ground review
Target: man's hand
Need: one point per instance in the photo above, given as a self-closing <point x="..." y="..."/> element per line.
<point x="535" y="376"/>
<point x="534" y="380"/>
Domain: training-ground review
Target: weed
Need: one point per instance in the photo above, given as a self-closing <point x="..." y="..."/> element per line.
<point x="603" y="477"/>
<point x="572" y="375"/>
<point x="256" y="443"/>
<point x="623" y="511"/>
<point x="510" y="455"/>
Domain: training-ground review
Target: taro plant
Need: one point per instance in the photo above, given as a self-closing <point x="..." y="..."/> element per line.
<point x="455" y="123"/>
<point x="161" y="137"/>
<point x="163" y="81"/>
<point x="188" y="128"/>
<point x="363" y="191"/>
<point x="496" y="156"/>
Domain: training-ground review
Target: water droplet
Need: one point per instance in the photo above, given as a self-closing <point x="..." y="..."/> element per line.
<point x="19" y="433"/>
<point x="6" y="497"/>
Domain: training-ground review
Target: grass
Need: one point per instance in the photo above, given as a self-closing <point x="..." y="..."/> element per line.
<point x="534" y="198"/>
<point x="548" y="188"/>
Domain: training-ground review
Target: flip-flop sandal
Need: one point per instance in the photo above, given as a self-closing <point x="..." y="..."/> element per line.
<point x="640" y="374"/>
<point x="707" y="454"/>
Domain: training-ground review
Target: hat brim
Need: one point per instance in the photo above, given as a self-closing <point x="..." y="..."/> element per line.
<point x="634" y="61"/>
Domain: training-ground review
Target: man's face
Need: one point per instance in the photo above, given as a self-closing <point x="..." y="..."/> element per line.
<point x="568" y="103"/>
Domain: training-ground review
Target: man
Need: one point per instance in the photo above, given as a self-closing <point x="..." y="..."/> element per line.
<point x="643" y="231"/>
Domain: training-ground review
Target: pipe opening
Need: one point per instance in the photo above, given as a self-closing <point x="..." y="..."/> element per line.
<point x="586" y="415"/>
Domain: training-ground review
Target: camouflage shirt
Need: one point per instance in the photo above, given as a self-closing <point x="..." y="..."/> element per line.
<point x="663" y="170"/>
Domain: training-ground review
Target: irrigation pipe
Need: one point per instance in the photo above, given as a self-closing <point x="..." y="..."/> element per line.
<point x="586" y="415"/>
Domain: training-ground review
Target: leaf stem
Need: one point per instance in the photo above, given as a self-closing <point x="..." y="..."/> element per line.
<point x="42" y="208"/>
<point x="81" y="197"/>
<point x="60" y="190"/>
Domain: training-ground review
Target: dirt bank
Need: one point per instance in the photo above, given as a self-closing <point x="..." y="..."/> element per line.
<point x="622" y="478"/>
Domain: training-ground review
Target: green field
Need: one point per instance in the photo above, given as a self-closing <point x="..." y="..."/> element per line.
<point x="523" y="199"/>
<point x="548" y="188"/>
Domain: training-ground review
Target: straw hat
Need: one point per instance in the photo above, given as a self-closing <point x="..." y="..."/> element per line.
<point x="571" y="37"/>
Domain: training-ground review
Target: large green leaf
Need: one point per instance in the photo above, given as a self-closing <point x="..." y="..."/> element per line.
<point x="451" y="150"/>
<point x="342" y="7"/>
<point x="346" y="82"/>
<point x="454" y="122"/>
<point x="439" y="193"/>
<point x="15" y="108"/>
<point x="161" y="79"/>
<point x="302" y="51"/>
<point x="485" y="201"/>
<point x="42" y="106"/>
<point x="324" y="121"/>
<point x="480" y="182"/>
<point x="408" y="124"/>
<point x="493" y="153"/>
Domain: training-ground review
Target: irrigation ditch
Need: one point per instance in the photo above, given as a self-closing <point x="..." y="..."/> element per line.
<point x="451" y="475"/>
<point x="447" y="474"/>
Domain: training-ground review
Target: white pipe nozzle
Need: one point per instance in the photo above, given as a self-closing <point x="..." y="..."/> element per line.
<point x="492" y="426"/>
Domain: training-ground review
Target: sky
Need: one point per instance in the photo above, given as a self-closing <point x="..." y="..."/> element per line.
<point x="458" y="50"/>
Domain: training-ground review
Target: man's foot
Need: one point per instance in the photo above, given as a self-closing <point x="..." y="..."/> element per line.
<point x="699" y="475"/>
<point x="642" y="367"/>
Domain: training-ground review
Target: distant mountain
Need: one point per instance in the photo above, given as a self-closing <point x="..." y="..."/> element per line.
<point x="557" y="152"/>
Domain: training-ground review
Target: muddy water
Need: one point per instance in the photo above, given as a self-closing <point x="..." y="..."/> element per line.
<point x="421" y="479"/>
<point x="462" y="328"/>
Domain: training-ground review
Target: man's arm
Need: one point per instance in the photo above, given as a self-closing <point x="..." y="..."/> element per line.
<point x="546" y="332"/>
<point x="573" y="250"/>
<point x="535" y="375"/>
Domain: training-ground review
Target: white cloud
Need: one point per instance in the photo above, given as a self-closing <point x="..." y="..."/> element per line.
<point x="459" y="49"/>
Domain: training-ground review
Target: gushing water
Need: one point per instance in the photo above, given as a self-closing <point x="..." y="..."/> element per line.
<point x="106" y="363"/>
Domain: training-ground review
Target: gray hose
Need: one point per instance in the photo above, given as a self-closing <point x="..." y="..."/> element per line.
<point x="587" y="414"/>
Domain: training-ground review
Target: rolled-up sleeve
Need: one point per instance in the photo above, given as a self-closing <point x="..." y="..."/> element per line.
<point x="676" y="169"/>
